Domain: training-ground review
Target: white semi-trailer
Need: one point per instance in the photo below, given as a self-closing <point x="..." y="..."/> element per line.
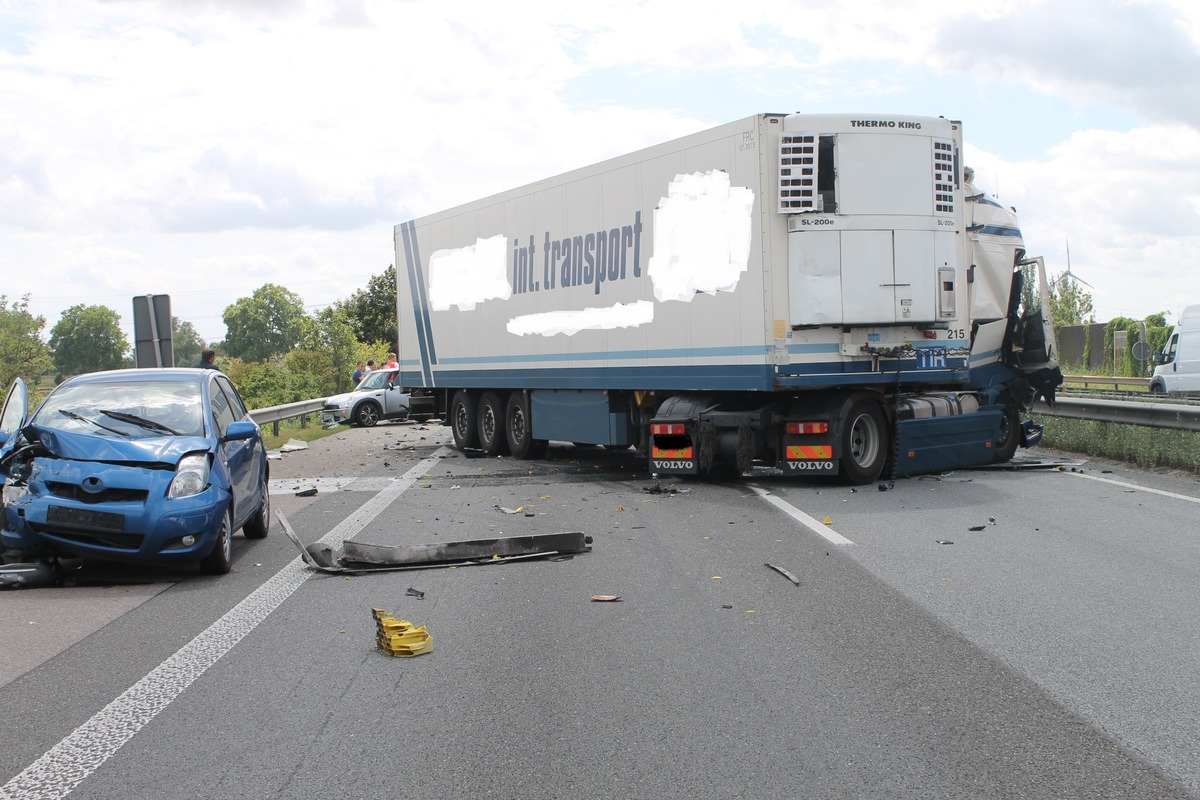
<point x="825" y="294"/>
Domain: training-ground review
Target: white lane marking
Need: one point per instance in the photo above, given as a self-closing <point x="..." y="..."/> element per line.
<point x="1125" y="485"/>
<point x="67" y="764"/>
<point x="804" y="519"/>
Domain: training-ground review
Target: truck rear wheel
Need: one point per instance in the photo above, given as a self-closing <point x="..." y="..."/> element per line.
<point x="492" y="439"/>
<point x="518" y="427"/>
<point x="864" y="443"/>
<point x="462" y="420"/>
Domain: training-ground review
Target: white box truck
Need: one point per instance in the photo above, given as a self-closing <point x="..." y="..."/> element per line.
<point x="822" y="294"/>
<point x="1178" y="370"/>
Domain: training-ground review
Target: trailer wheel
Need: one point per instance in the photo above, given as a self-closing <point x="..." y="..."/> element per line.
<point x="864" y="443"/>
<point x="492" y="439"/>
<point x="1010" y="432"/>
<point x="518" y="427"/>
<point x="462" y="420"/>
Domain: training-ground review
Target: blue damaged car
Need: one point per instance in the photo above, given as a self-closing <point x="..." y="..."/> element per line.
<point x="143" y="465"/>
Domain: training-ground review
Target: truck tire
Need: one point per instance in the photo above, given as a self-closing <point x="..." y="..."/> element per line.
<point x="492" y="440"/>
<point x="864" y="443"/>
<point x="518" y="427"/>
<point x="367" y="414"/>
<point x="463" y="423"/>
<point x="1010" y="432"/>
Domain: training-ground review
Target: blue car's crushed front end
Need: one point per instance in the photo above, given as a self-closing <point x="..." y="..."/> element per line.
<point x="60" y="499"/>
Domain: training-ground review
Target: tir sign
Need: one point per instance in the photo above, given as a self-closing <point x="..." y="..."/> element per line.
<point x="803" y="428"/>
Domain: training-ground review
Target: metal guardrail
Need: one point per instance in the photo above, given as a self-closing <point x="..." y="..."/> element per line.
<point x="1115" y="382"/>
<point x="1172" y="416"/>
<point x="276" y="414"/>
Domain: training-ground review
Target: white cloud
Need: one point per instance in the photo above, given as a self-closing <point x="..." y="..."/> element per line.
<point x="204" y="147"/>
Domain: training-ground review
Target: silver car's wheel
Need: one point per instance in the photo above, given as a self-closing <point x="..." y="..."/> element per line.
<point x="367" y="414"/>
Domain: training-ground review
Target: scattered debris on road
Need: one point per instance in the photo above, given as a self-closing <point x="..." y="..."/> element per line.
<point x="606" y="598"/>
<point x="417" y="593"/>
<point x="784" y="573"/>
<point x="311" y="492"/>
<point x="399" y="637"/>
<point x="361" y="557"/>
<point x="28" y="576"/>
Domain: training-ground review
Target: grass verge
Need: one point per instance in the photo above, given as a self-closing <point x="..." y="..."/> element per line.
<point x="1149" y="448"/>
<point x="291" y="429"/>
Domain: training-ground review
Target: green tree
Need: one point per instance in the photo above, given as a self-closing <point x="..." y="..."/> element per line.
<point x="372" y="311"/>
<point x="1069" y="303"/>
<point x="332" y="336"/>
<point x="269" y="323"/>
<point x="87" y="339"/>
<point x="23" y="354"/>
<point x="186" y="342"/>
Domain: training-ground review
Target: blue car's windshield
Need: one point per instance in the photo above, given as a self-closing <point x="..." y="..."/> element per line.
<point x="129" y="409"/>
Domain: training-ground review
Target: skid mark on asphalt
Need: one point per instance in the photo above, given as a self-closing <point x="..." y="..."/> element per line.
<point x="70" y="762"/>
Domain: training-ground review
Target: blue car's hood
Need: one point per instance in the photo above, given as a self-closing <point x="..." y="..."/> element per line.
<point x="88" y="447"/>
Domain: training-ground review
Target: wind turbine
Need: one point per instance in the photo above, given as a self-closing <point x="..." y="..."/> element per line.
<point x="1072" y="275"/>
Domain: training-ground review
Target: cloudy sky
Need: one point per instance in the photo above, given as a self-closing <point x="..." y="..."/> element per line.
<point x="202" y="148"/>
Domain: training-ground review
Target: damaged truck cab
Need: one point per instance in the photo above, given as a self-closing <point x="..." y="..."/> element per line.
<point x="826" y="295"/>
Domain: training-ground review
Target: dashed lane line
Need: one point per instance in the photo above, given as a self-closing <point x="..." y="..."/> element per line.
<point x="812" y="524"/>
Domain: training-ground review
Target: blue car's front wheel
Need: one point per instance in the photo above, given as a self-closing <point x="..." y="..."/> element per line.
<point x="219" y="561"/>
<point x="259" y="525"/>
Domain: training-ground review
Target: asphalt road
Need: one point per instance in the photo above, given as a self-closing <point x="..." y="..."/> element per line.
<point x="1047" y="655"/>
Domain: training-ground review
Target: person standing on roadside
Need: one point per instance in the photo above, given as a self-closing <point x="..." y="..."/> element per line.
<point x="391" y="362"/>
<point x="359" y="371"/>
<point x="208" y="359"/>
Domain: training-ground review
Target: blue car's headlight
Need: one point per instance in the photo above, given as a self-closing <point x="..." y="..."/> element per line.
<point x="191" y="476"/>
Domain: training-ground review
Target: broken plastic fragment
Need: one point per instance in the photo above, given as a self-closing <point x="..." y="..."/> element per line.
<point x="976" y="527"/>
<point x="307" y="492"/>
<point x="606" y="598"/>
<point x="417" y="593"/>
<point x="944" y="541"/>
<point x="784" y="573"/>
<point x="399" y="637"/>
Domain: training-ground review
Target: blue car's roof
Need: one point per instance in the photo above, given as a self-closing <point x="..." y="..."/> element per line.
<point x="181" y="374"/>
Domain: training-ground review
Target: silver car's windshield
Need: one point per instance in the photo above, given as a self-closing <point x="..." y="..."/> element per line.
<point x="130" y="409"/>
<point x="375" y="380"/>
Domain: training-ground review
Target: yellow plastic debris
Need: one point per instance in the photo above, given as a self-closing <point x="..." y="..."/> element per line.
<point x="399" y="637"/>
<point x="828" y="520"/>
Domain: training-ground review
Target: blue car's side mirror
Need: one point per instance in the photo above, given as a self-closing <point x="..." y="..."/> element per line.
<point x="240" y="430"/>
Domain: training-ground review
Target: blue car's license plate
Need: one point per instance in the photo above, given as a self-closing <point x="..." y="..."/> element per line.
<point x="86" y="519"/>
